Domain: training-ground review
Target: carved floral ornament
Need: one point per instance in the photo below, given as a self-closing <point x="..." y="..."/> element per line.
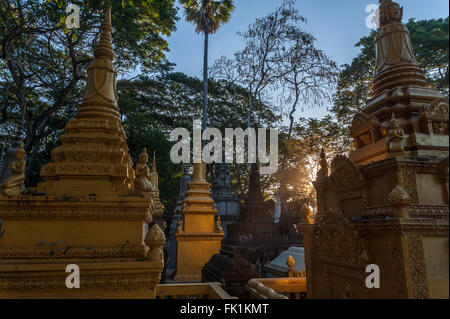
<point x="338" y="241"/>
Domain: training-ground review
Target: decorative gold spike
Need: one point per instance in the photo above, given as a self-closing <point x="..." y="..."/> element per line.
<point x="104" y="47"/>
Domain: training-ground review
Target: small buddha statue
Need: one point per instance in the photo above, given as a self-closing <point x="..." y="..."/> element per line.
<point x="396" y="136"/>
<point x="14" y="184"/>
<point x="143" y="183"/>
<point x="323" y="172"/>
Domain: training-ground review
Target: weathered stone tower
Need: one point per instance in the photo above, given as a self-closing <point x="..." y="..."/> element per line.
<point x="387" y="204"/>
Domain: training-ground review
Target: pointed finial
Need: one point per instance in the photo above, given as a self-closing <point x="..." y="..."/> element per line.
<point x="143" y="157"/>
<point x="104" y="47"/>
<point x="154" y="161"/>
<point x="323" y="172"/>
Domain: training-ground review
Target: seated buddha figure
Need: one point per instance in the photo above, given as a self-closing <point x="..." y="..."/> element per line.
<point x="14" y="184"/>
<point x="142" y="182"/>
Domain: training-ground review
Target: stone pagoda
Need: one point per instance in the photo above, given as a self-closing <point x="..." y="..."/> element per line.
<point x="199" y="237"/>
<point x="256" y="236"/>
<point x="387" y="203"/>
<point x="83" y="213"/>
<point x="228" y="204"/>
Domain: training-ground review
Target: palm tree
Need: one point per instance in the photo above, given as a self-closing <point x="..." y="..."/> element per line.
<point x="207" y="15"/>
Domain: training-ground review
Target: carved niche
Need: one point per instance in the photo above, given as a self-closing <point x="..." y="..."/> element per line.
<point x="345" y="175"/>
<point x="364" y="129"/>
<point x="349" y="186"/>
<point x="434" y="117"/>
<point x="338" y="241"/>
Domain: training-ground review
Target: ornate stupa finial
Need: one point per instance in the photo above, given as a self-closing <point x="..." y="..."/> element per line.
<point x="95" y="144"/>
<point x="100" y="96"/>
<point x="395" y="64"/>
<point x="104" y="47"/>
<point x="323" y="172"/>
<point x="154" y="162"/>
<point x="143" y="157"/>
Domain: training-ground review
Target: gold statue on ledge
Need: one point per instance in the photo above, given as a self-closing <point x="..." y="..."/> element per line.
<point x="14" y="185"/>
<point x="143" y="183"/>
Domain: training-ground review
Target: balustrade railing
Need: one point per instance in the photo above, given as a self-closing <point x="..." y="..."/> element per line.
<point x="210" y="290"/>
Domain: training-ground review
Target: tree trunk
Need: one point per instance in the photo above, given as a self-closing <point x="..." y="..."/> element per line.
<point x="205" y="82"/>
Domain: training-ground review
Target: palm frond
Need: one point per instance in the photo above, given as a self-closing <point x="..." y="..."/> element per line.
<point x="207" y="15"/>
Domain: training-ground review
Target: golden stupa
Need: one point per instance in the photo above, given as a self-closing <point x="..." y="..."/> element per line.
<point x="200" y="238"/>
<point x="83" y="213"/>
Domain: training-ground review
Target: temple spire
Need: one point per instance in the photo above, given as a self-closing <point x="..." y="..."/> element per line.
<point x="100" y="96"/>
<point x="94" y="144"/>
<point x="104" y="47"/>
<point x="154" y="162"/>
<point x="395" y="63"/>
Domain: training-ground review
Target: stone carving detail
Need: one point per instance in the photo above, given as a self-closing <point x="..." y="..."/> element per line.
<point x="395" y="64"/>
<point x="123" y="281"/>
<point x="417" y="267"/>
<point x="323" y="172"/>
<point x="364" y="129"/>
<point x="345" y="175"/>
<point x="67" y="251"/>
<point x="338" y="241"/>
<point x="179" y="228"/>
<point x="410" y="186"/>
<point x="398" y="271"/>
<point x="396" y="136"/>
<point x="398" y="196"/>
<point x="85" y="213"/>
<point x="393" y="42"/>
<point x="143" y="183"/>
<point x="219" y="228"/>
<point x="155" y="239"/>
<point x="14" y="184"/>
<point x="435" y="117"/>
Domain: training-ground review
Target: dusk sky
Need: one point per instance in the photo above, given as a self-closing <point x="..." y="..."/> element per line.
<point x="337" y="26"/>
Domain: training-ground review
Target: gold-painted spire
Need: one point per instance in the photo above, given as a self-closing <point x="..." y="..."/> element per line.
<point x="104" y="47"/>
<point x="199" y="172"/>
<point x="100" y="96"/>
<point x="154" y="162"/>
<point x="95" y="144"/>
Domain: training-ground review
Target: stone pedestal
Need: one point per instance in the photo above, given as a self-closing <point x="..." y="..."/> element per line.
<point x="391" y="213"/>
